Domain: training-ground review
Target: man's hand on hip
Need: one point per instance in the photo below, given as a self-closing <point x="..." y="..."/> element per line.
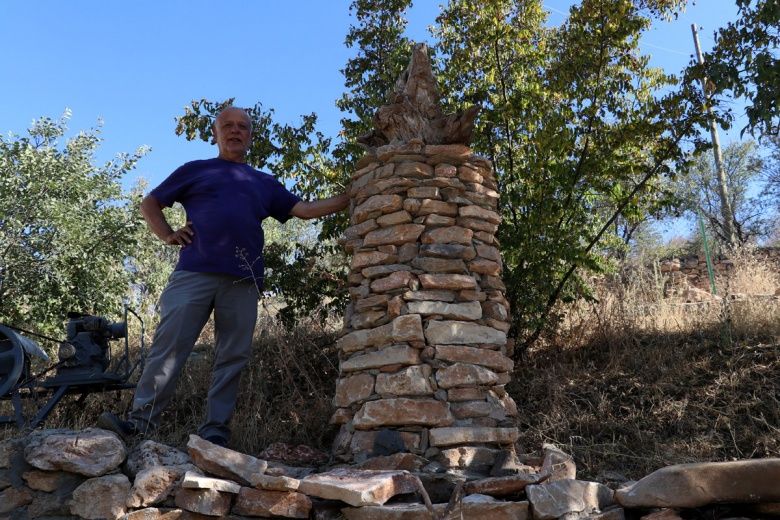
<point x="181" y="236"/>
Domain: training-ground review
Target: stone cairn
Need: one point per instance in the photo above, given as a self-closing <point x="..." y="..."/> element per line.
<point x="423" y="357"/>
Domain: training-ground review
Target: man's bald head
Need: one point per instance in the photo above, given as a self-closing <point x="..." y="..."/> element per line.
<point x="232" y="130"/>
<point x="235" y="110"/>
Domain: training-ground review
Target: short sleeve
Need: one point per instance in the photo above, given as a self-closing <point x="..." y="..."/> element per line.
<point x="172" y="188"/>
<point x="281" y="201"/>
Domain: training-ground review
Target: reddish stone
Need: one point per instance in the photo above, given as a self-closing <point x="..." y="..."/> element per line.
<point x="447" y="281"/>
<point x="395" y="235"/>
<point x="258" y="502"/>
<point x="448" y="235"/>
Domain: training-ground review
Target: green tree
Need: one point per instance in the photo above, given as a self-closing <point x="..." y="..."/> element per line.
<point x="382" y="55"/>
<point x="744" y="167"/>
<point x="579" y="127"/>
<point x="745" y="61"/>
<point x="66" y="227"/>
<point x="772" y="173"/>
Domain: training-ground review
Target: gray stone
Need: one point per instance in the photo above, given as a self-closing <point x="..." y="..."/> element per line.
<point x="465" y="374"/>
<point x="401" y="329"/>
<point x="101" y="497"/>
<point x="565" y="497"/>
<point x="203" y="501"/>
<point x="359" y="487"/>
<point x="91" y="452"/>
<point x="155" y="484"/>
<point x="458" y="311"/>
<point x="557" y="464"/>
<point x="413" y="380"/>
<point x="701" y="484"/>
<point x="402" y="412"/>
<point x="471" y="435"/>
<point x="395" y="235"/>
<point x="194" y="480"/>
<point x="224" y="462"/>
<point x="276" y="482"/>
<point x="353" y="389"/>
<point x="461" y="332"/>
<point x="492" y="359"/>
<point x="393" y="355"/>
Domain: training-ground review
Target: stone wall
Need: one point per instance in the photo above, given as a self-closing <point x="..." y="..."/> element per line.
<point x="691" y="271"/>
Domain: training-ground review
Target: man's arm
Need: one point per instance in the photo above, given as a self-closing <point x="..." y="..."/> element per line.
<point x="151" y="209"/>
<point x="320" y="208"/>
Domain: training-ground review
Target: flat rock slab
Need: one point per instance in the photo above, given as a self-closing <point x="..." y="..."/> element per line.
<point x="194" y="480"/>
<point x="461" y="333"/>
<point x="92" y="452"/>
<point x="101" y="497"/>
<point x="257" y="502"/>
<point x="701" y="484"/>
<point x="275" y="482"/>
<point x="402" y="412"/>
<point x="472" y="434"/>
<point x="501" y="486"/>
<point x="224" y="462"/>
<point x="465" y="510"/>
<point x="359" y="487"/>
<point x="568" y="497"/>
<point x="149" y="454"/>
<point x="203" y="501"/>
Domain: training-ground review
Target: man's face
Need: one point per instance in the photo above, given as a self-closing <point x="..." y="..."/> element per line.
<point x="233" y="134"/>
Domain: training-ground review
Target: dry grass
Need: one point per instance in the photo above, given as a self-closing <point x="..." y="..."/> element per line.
<point x="634" y="382"/>
<point x="628" y="384"/>
<point x="285" y="393"/>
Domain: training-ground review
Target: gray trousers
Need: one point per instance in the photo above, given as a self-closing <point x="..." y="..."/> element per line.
<point x="185" y="306"/>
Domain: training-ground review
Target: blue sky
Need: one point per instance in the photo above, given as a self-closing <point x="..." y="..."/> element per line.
<point x="135" y="65"/>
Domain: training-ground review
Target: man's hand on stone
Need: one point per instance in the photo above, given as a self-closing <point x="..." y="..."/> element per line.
<point x="181" y="237"/>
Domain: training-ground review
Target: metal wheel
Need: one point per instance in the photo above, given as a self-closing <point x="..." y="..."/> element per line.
<point x="11" y="359"/>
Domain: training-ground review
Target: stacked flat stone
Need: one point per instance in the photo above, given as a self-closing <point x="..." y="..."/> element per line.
<point x="423" y="359"/>
<point x="424" y="349"/>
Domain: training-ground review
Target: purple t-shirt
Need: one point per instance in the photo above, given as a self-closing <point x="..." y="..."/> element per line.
<point x="225" y="201"/>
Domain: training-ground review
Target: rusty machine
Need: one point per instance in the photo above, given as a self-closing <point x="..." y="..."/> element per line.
<point x="86" y="364"/>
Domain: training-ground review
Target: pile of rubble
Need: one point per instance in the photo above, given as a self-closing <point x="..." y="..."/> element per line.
<point x="90" y="474"/>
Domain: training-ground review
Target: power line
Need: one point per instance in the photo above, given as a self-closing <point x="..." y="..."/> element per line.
<point x="673" y="51"/>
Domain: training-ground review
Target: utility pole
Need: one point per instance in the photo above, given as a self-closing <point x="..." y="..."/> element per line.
<point x="725" y="204"/>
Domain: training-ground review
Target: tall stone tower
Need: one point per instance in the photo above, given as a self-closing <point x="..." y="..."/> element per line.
<point x="423" y="359"/>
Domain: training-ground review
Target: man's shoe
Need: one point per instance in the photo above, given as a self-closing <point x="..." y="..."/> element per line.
<point x="125" y="429"/>
<point x="218" y="440"/>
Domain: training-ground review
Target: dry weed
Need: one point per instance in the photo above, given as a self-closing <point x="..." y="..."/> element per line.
<point x="285" y="393"/>
<point x="633" y="382"/>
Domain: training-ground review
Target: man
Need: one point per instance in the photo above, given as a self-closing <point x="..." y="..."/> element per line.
<point x="220" y="268"/>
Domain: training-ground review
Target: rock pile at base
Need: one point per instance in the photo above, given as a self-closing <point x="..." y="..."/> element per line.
<point x="90" y="474"/>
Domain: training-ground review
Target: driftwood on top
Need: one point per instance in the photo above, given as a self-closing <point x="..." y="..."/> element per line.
<point x="414" y="111"/>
